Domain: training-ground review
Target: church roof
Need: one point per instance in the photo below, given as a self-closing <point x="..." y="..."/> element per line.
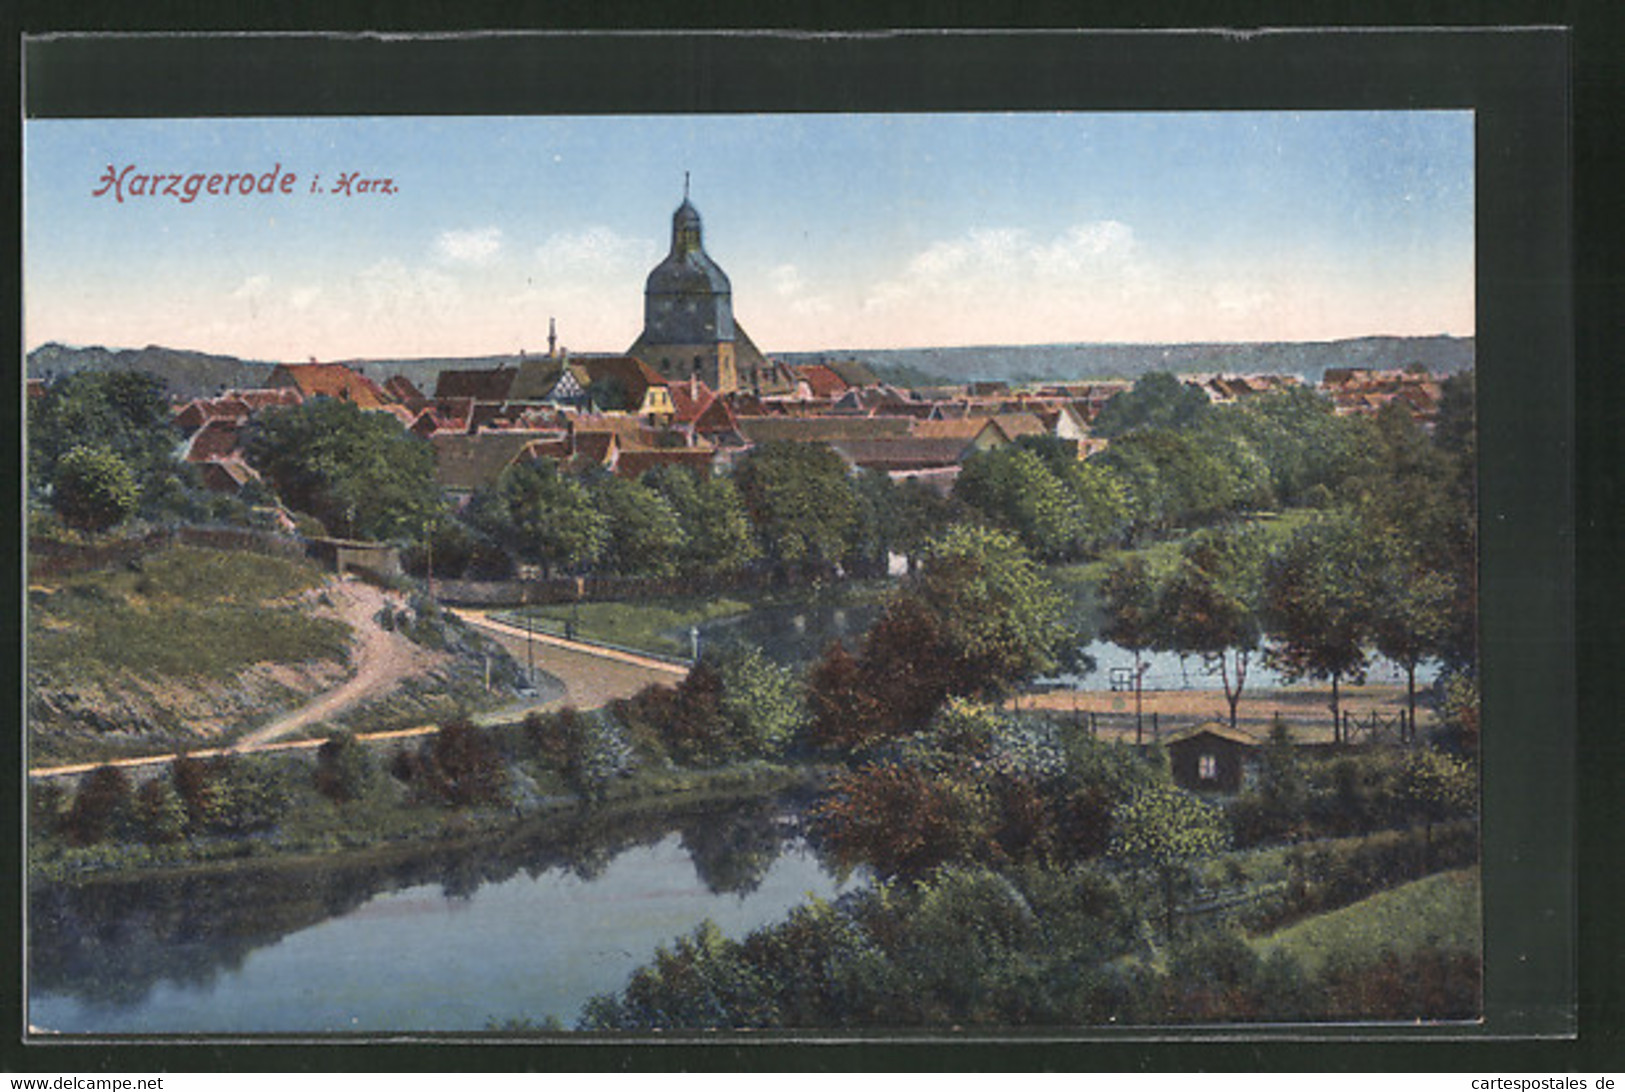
<point x="687" y="268"/>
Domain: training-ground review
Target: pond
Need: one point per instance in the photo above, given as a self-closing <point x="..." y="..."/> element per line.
<point x="453" y="940"/>
<point x="796" y="635"/>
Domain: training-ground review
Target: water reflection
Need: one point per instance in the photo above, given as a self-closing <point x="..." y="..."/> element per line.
<point x="794" y="635"/>
<point x="133" y="954"/>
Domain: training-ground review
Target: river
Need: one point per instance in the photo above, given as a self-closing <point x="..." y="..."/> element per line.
<point x="453" y="939"/>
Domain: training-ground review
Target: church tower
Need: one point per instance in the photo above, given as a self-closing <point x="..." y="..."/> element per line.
<point x="688" y="323"/>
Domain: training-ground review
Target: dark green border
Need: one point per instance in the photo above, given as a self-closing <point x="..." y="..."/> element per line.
<point x="1518" y="83"/>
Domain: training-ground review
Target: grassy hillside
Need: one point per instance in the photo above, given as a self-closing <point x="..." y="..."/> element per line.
<point x="1438" y="914"/>
<point x="182" y="642"/>
<point x="184" y="612"/>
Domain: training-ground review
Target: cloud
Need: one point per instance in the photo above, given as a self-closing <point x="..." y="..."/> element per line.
<point x="477" y="246"/>
<point x="252" y="288"/>
<point x="594" y="251"/>
<point x="1008" y="284"/>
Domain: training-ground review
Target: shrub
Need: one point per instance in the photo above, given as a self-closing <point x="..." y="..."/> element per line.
<point x="94" y="489"/>
<point x="161" y="812"/>
<point x="345" y="770"/>
<point x="603" y="755"/>
<point x="459" y="766"/>
<point x="101" y="807"/>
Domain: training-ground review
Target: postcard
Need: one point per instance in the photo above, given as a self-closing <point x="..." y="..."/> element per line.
<point x="557" y="574"/>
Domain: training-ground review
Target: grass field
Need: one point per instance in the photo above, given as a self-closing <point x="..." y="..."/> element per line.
<point x="185" y="613"/>
<point x="1440" y="913"/>
<point x="661" y="625"/>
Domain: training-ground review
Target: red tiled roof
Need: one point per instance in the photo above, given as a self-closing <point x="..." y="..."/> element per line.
<point x="329" y="381"/>
<point x="1015" y="425"/>
<point x="633" y="464"/>
<point x="634" y="376"/>
<point x="402" y="389"/>
<point x="823" y="380"/>
<point x="217" y="439"/>
<point x="227" y="475"/>
<point x="689" y="400"/>
<point x="261" y="397"/>
<point x="966" y="428"/>
<point x="600" y="447"/>
<point x="480" y="384"/>
<point x="904" y="453"/>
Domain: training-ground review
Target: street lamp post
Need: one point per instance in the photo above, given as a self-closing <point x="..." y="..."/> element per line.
<point x="530" y="651"/>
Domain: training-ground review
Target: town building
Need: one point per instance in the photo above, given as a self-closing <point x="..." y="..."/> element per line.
<point x="689" y="329"/>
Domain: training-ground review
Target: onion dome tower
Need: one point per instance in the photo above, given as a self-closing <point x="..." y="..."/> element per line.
<point x="688" y="323"/>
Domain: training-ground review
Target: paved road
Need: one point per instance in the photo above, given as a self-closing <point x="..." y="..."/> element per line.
<point x="593" y="676"/>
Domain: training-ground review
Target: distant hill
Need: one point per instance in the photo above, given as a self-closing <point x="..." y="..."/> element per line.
<point x="1020" y="363"/>
<point x="194" y="375"/>
<point x="189" y="374"/>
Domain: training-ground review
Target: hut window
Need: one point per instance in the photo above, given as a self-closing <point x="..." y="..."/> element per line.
<point x="1207" y="768"/>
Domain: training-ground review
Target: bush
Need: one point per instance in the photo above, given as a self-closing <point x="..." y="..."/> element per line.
<point x="161" y="812"/>
<point x="94" y="489"/>
<point x="457" y="766"/>
<point x="345" y="770"/>
<point x="101" y="808"/>
<point x="603" y="755"/>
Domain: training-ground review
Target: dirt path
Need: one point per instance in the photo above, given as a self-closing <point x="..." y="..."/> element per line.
<point x="1305" y="709"/>
<point x="384" y="659"/>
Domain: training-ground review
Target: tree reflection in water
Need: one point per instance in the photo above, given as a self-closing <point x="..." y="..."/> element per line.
<point x="732" y="852"/>
<point x="109" y="942"/>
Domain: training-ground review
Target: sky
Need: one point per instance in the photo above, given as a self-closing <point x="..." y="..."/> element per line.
<point x="836" y="231"/>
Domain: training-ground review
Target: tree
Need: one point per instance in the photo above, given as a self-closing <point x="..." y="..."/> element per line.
<point x="869" y="544"/>
<point x="907" y="669"/>
<point x="94" y="489"/>
<point x="903" y="820"/>
<point x="1209" y="604"/>
<point x="643" y="536"/>
<point x="161" y="813"/>
<point x="717" y="535"/>
<point x="920" y="514"/>
<point x="1433" y="787"/>
<point x="460" y="766"/>
<point x="362" y="474"/>
<point x="1300" y="438"/>
<point x="543" y="517"/>
<point x="761" y="705"/>
<point x="1128" y="596"/>
<point x="1158" y="400"/>
<point x="1165" y="830"/>
<point x="843" y="713"/>
<point x="1175" y="478"/>
<point x="1012" y="488"/>
<point x="1002" y="622"/>
<point x="800" y="501"/>
<point x="1411" y="621"/>
<point x="1318" y="594"/>
<point x="123" y="413"/>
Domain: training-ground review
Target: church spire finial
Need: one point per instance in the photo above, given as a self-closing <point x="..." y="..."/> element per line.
<point x="685" y="185"/>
